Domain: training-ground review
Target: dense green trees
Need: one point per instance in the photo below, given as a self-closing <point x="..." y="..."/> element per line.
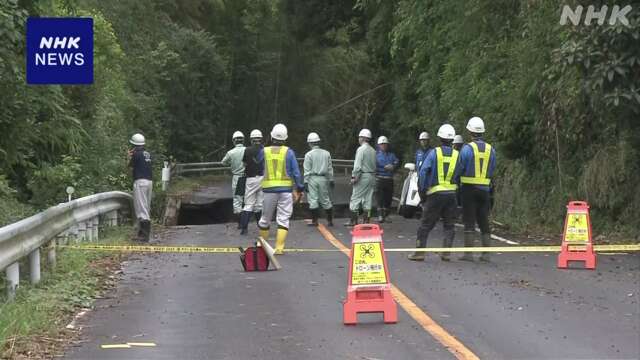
<point x="561" y="102"/>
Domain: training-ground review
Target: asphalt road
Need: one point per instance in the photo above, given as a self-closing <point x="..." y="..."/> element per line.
<point x="517" y="307"/>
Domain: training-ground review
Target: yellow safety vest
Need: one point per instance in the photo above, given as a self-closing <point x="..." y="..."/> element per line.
<point x="275" y="167"/>
<point x="480" y="174"/>
<point x="444" y="180"/>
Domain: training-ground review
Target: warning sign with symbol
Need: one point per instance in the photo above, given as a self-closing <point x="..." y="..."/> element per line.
<point x="577" y="228"/>
<point x="368" y="265"/>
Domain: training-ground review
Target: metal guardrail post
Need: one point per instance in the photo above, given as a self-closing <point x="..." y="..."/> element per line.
<point x="51" y="252"/>
<point x="96" y="228"/>
<point x="34" y="266"/>
<point x="13" y="279"/>
<point x="166" y="176"/>
<point x="82" y="232"/>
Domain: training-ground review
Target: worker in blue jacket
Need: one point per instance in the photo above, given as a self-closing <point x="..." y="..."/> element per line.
<point x="475" y="168"/>
<point x="423" y="148"/>
<point x="386" y="165"/>
<point x="437" y="186"/>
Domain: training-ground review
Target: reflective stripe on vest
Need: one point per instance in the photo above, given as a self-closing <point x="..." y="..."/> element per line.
<point x="480" y="174"/>
<point x="275" y="168"/>
<point x="444" y="181"/>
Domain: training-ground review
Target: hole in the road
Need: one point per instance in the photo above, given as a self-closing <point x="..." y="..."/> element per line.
<point x="221" y="211"/>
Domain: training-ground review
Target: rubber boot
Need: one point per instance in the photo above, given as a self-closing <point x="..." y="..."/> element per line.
<point x="245" y="217"/>
<point x="385" y="216"/>
<point x="486" y="242"/>
<point x="145" y="225"/>
<point x="314" y="217"/>
<point x="281" y="238"/>
<point x="380" y="215"/>
<point x="258" y="215"/>
<point x="366" y="217"/>
<point x="329" y="216"/>
<point x="264" y="233"/>
<point x="419" y="256"/>
<point x="139" y="233"/>
<point x="353" y="221"/>
<point x="468" y="242"/>
<point x="447" y="242"/>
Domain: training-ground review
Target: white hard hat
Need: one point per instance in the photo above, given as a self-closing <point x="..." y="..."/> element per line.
<point x="313" y="137"/>
<point x="383" y="140"/>
<point x="475" y="125"/>
<point x="237" y="134"/>
<point x="279" y="132"/>
<point x="423" y="136"/>
<point x="137" y="139"/>
<point x="365" y="133"/>
<point x="446" y="132"/>
<point x="458" y="139"/>
<point x="255" y="134"/>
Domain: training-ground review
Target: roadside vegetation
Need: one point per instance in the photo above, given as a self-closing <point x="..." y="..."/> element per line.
<point x="33" y="326"/>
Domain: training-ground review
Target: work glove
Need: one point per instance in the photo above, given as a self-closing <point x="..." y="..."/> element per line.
<point x="332" y="184"/>
<point x="353" y="180"/>
<point x="423" y="196"/>
<point x="388" y="167"/>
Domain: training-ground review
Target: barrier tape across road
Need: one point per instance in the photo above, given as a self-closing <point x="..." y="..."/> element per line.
<point x="229" y="249"/>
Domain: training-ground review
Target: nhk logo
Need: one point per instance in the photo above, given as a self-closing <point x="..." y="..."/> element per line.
<point x="59" y="50"/>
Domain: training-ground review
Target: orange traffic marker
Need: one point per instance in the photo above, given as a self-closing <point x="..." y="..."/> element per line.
<point x="369" y="289"/>
<point x="577" y="243"/>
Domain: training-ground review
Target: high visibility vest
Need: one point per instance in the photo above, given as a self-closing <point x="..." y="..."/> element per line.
<point x="275" y="168"/>
<point x="444" y="180"/>
<point x="480" y="173"/>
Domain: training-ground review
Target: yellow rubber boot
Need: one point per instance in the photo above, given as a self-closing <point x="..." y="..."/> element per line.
<point x="264" y="233"/>
<point x="281" y="237"/>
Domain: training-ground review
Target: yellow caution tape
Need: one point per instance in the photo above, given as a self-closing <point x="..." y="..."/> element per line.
<point x="209" y="249"/>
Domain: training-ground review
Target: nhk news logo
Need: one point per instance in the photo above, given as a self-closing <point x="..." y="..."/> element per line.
<point x="59" y="50"/>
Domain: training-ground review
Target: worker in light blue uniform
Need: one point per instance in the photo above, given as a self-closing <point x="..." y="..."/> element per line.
<point x="423" y="148"/>
<point x="386" y="165"/>
<point x="475" y="168"/>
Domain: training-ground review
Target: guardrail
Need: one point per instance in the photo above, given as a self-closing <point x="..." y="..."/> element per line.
<point x="74" y="221"/>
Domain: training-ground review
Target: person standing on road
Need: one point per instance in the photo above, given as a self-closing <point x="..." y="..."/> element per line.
<point x="282" y="186"/>
<point x="386" y="165"/>
<point x="458" y="141"/>
<point x="318" y="179"/>
<point x="423" y="148"/>
<point x="140" y="162"/>
<point x="233" y="158"/>
<point x="253" y="160"/>
<point x="362" y="179"/>
<point x="437" y="189"/>
<point x="476" y="166"/>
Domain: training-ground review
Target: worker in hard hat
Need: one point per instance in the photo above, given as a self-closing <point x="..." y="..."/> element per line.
<point x="140" y="162"/>
<point x="362" y="179"/>
<point x="233" y="159"/>
<point x="282" y="186"/>
<point x="423" y="148"/>
<point x="386" y="165"/>
<point x="437" y="189"/>
<point x="458" y="141"/>
<point x="318" y="179"/>
<point x="476" y="166"/>
<point x="253" y="160"/>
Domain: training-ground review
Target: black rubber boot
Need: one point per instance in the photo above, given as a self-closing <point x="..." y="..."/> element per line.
<point x="468" y="242"/>
<point x="385" y="216"/>
<point x="258" y="215"/>
<point x="486" y="242"/>
<point x="314" y="217"/>
<point x="353" y="221"/>
<point x="145" y="226"/>
<point x="447" y="242"/>
<point x="366" y="218"/>
<point x="245" y="217"/>
<point x="329" y="216"/>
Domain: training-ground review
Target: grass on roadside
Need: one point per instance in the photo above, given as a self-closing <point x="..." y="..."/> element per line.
<point x="32" y="326"/>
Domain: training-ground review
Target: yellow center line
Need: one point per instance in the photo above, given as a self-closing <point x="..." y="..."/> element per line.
<point x="458" y="349"/>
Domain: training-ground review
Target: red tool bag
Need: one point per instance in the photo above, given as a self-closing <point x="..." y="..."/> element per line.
<point x="254" y="258"/>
